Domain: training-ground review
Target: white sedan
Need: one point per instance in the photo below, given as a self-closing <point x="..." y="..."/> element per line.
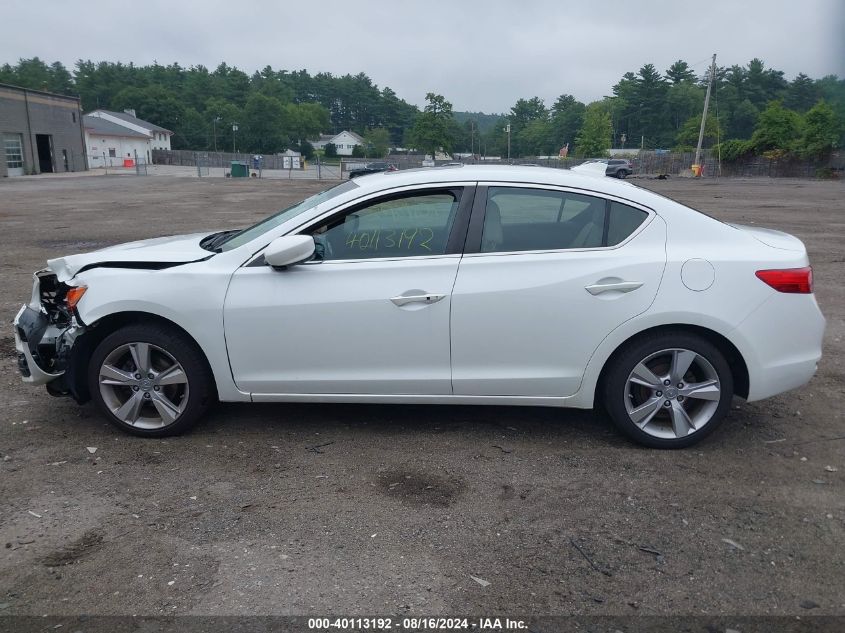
<point x="461" y="285"/>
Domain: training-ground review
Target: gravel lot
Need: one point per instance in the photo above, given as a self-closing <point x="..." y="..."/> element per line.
<point x="317" y="509"/>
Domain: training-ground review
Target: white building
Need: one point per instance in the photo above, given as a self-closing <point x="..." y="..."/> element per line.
<point x="345" y="142"/>
<point x="112" y="137"/>
<point x="109" y="144"/>
<point x="320" y="143"/>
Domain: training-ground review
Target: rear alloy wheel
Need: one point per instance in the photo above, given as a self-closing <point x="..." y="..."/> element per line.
<point x="669" y="391"/>
<point x="150" y="381"/>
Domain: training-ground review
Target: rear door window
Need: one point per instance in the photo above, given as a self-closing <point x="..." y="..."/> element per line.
<point x="520" y="219"/>
<point x="527" y="219"/>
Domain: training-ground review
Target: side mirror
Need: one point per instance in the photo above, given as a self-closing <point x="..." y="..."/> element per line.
<point x="289" y="250"/>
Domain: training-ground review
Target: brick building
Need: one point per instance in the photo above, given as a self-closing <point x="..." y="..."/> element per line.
<point x="40" y="132"/>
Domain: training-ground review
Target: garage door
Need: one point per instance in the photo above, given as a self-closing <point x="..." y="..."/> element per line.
<point x="14" y="154"/>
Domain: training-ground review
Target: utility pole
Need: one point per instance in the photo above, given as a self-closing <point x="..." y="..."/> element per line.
<point x="234" y="129"/>
<point x="472" y="138"/>
<point x="508" y="130"/>
<point x="704" y="114"/>
<point x="214" y="128"/>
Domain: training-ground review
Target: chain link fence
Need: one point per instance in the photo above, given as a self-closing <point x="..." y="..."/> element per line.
<point x="135" y="164"/>
<point x="261" y="166"/>
<point x="644" y="163"/>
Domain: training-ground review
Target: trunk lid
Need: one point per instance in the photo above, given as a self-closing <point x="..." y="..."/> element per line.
<point x="770" y="237"/>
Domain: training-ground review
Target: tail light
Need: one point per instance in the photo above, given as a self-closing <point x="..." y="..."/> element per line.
<point x="794" y="280"/>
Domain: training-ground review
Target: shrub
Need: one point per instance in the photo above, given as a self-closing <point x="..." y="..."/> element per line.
<point x="826" y="173"/>
<point x="307" y="150"/>
<point x="777" y="128"/>
<point x="822" y="130"/>
<point x="733" y="149"/>
<point x="775" y="154"/>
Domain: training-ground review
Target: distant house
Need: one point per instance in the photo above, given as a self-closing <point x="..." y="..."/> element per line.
<point x="108" y="143"/>
<point x="320" y="143"/>
<point x="118" y="135"/>
<point x="345" y="142"/>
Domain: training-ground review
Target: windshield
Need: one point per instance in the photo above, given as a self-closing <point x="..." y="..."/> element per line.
<point x="247" y="235"/>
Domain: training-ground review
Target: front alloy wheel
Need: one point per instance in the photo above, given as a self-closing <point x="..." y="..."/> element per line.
<point x="668" y="390"/>
<point x="150" y="380"/>
<point x="143" y="385"/>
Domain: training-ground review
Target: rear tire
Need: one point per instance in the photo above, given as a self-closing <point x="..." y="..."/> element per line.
<point x="675" y="415"/>
<point x="150" y="380"/>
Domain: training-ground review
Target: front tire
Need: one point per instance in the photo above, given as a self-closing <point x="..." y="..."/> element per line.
<point x="668" y="390"/>
<point x="150" y="380"/>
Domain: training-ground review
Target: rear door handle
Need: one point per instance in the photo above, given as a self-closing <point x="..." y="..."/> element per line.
<point x="403" y="300"/>
<point x="618" y="286"/>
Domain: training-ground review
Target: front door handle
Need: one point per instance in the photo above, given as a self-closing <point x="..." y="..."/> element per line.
<point x="403" y="300"/>
<point x="618" y="286"/>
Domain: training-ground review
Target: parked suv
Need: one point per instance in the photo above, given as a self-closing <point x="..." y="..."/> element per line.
<point x="618" y="168"/>
<point x="372" y="168"/>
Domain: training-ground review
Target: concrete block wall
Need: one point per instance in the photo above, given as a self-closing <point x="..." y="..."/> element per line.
<point x="32" y="112"/>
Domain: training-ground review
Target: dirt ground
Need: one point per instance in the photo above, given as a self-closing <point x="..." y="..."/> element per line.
<point x="342" y="509"/>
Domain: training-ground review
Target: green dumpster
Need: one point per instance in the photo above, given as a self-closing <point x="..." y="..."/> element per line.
<point x="240" y="169"/>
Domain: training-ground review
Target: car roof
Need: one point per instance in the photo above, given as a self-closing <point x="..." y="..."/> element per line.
<point x="499" y="173"/>
<point x="375" y="183"/>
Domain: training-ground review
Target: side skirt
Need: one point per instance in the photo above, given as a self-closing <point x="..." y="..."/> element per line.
<point x="520" y="401"/>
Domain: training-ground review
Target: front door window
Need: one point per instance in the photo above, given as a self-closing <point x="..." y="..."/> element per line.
<point x="401" y="226"/>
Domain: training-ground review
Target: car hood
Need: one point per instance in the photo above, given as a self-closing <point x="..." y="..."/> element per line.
<point x="770" y="237"/>
<point x="155" y="253"/>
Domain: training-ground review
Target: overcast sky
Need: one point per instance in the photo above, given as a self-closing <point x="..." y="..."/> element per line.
<point x="481" y="55"/>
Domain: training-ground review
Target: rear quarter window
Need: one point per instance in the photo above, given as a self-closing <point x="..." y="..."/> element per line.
<point x="623" y="221"/>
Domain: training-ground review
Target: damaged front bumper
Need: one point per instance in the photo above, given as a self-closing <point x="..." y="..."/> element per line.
<point x="44" y="339"/>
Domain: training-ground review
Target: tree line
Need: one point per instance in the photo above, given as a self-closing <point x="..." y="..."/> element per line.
<point x="753" y="109"/>
<point x="273" y="109"/>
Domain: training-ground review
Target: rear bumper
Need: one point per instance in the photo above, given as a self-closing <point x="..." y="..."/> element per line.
<point x="781" y="342"/>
